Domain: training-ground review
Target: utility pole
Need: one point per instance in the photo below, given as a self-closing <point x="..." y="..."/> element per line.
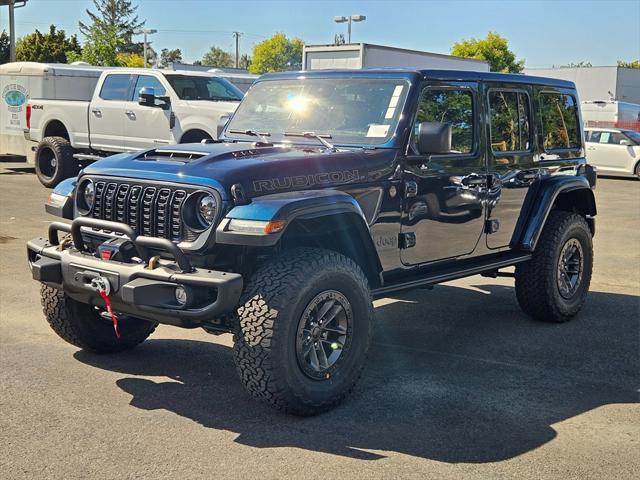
<point x="145" y="32"/>
<point x="13" y="4"/>
<point x="236" y="35"/>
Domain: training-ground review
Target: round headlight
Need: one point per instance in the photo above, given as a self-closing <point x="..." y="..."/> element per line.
<point x="89" y="194"/>
<point x="207" y="209"/>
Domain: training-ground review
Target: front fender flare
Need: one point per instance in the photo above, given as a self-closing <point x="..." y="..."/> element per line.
<point x="540" y="201"/>
<point x="286" y="206"/>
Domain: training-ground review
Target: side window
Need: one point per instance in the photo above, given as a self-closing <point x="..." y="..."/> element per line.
<point x="148" y="81"/>
<point x="510" y="121"/>
<point x="595" y="137"/>
<point x="115" y="87"/>
<point x="559" y="114"/>
<point x="616" y="138"/>
<point x="450" y="106"/>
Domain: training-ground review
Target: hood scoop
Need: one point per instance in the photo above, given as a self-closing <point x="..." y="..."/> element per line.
<point x="164" y="154"/>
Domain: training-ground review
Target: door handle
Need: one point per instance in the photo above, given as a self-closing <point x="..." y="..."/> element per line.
<point x="97" y="112"/>
<point x="474" y="180"/>
<point x="130" y="114"/>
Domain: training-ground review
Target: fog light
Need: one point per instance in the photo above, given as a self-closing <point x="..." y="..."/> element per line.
<point x="181" y="295"/>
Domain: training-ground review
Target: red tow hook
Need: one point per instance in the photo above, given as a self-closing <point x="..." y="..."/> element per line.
<point x="103" y="287"/>
<point x="110" y="311"/>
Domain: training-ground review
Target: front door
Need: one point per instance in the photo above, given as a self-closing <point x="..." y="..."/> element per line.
<point x="443" y="211"/>
<point x="146" y="127"/>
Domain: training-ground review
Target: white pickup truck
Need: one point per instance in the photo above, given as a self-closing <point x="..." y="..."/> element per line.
<point x="131" y="109"/>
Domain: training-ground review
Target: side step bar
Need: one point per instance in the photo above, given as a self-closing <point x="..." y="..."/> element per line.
<point x="444" y="274"/>
<point x="87" y="156"/>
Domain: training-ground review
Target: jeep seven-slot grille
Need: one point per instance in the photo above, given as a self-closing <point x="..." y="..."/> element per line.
<point x="149" y="210"/>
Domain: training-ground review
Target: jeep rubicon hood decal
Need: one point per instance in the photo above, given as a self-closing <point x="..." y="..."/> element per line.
<point x="260" y="170"/>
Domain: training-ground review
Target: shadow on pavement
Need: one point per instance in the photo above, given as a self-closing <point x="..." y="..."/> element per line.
<point x="455" y="375"/>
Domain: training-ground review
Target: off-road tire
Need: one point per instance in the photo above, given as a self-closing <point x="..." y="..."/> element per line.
<point x="66" y="165"/>
<point x="536" y="280"/>
<point x="79" y="324"/>
<point x="268" y="318"/>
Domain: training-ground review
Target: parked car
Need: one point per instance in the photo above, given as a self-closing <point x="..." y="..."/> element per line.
<point x="614" y="151"/>
<point x="328" y="189"/>
<point x="131" y="109"/>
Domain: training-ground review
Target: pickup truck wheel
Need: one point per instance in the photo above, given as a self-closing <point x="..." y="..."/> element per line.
<point x="305" y="326"/>
<point x="553" y="286"/>
<point x="54" y="161"/>
<point x="81" y="325"/>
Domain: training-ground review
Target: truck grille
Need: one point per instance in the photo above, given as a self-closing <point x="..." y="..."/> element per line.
<point x="150" y="210"/>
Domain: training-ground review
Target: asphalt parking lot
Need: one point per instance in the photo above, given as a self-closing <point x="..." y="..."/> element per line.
<point x="460" y="383"/>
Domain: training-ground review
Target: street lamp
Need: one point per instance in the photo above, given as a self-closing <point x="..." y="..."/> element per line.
<point x="13" y="4"/>
<point x="349" y="19"/>
<point x="145" y="32"/>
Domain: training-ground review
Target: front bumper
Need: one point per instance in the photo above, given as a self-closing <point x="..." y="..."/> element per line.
<point x="145" y="290"/>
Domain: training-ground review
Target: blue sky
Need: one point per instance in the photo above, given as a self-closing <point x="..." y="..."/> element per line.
<point x="543" y="32"/>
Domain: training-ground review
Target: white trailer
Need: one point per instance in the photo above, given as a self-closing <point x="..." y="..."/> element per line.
<point x="367" y="55"/>
<point x="20" y="81"/>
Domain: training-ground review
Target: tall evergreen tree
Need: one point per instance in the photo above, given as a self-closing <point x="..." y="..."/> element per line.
<point x="115" y="15"/>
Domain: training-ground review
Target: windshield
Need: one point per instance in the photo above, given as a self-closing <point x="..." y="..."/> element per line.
<point x="192" y="87"/>
<point x="349" y="111"/>
<point x="635" y="136"/>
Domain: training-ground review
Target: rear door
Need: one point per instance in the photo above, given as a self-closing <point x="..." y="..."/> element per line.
<point x="510" y="135"/>
<point x="107" y="112"/>
<point x="146" y="127"/>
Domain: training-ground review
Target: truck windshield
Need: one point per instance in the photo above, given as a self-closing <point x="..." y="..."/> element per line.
<point x="349" y="111"/>
<point x="192" y="87"/>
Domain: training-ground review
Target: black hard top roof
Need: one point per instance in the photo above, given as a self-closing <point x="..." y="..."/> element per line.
<point x="434" y="74"/>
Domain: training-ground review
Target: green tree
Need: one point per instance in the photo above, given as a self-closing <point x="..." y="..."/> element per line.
<point x="118" y="15"/>
<point x="245" y="61"/>
<point x="51" y="47"/>
<point x="630" y="64"/>
<point x="581" y="64"/>
<point x="494" y="49"/>
<point x="277" y="54"/>
<point x="216" y="57"/>
<point x="102" y="46"/>
<point x="4" y="47"/>
<point x="129" y="60"/>
<point x="170" y="56"/>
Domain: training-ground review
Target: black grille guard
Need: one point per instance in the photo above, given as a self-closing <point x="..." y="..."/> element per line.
<point x="142" y="243"/>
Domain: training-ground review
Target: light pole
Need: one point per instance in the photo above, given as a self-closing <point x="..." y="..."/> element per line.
<point x="349" y="19"/>
<point x="145" y="32"/>
<point x="13" y="4"/>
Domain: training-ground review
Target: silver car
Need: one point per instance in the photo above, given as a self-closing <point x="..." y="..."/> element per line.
<point x="614" y="151"/>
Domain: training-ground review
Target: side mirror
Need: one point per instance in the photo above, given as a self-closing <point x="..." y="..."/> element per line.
<point x="147" y="97"/>
<point x="434" y="138"/>
<point x="626" y="143"/>
<point x="222" y="123"/>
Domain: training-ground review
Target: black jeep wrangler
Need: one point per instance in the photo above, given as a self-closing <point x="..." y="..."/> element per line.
<point x="325" y="190"/>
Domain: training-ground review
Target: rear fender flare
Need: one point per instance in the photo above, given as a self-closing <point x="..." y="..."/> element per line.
<point x="571" y="190"/>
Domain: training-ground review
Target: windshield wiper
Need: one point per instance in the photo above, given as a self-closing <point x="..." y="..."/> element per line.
<point x="253" y="133"/>
<point x="318" y="136"/>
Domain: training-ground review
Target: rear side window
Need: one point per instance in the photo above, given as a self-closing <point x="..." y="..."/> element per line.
<point x="559" y="114"/>
<point x="510" y="120"/>
<point x="115" y="87"/>
<point x="450" y="106"/>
